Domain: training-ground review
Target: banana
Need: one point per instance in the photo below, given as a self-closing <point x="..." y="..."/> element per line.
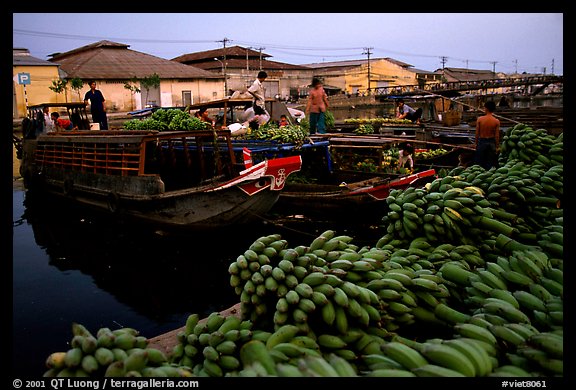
<point x="540" y="291"/>
<point x="492" y="280"/>
<point x="289" y="350"/>
<point x="446" y="356"/>
<point x="325" y="288"/>
<point x="288" y="371"/>
<point x="517" y="278"/>
<point x="229" y="363"/>
<point x="305" y="342"/>
<point x="331" y="341"/>
<point x="341" y="320"/>
<point x="525" y="330"/>
<point x="549" y="342"/>
<point x="380" y="284"/>
<point x="424" y="284"/>
<point x="490" y="349"/>
<point x="427" y="297"/>
<point x="256" y="351"/>
<point x="477" y="356"/>
<point x="408" y="357"/>
<point x="399" y="276"/>
<point x="379" y="361"/>
<point x="509" y="370"/>
<point x="316" y="366"/>
<point x="552" y="286"/>
<point x="529" y="267"/>
<point x="304" y="290"/>
<point x="328" y="313"/>
<point x="314" y="278"/>
<point x="476" y="332"/>
<point x="529" y="301"/>
<point x="136" y="361"/>
<point x="505" y="295"/>
<point x="435" y="370"/>
<point x="340" y="297"/>
<point x="554" y="366"/>
<point x="56" y="360"/>
<point x="73" y="357"/>
<point x="391" y="373"/>
<point x="116" y="369"/>
<point x="450" y="315"/>
<point x="505" y="310"/>
<point x="283" y="334"/>
<point x="506" y="334"/>
<point x="214" y="321"/>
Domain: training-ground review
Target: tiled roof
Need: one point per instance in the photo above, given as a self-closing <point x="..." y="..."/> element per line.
<point x="111" y="60"/>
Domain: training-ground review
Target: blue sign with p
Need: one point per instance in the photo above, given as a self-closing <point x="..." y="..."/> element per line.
<point x="24" y="78"/>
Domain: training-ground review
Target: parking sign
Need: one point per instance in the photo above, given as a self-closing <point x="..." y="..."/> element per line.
<point x="24" y="78"/>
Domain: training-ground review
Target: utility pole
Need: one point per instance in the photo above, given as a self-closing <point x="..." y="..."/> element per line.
<point x="494" y="68"/>
<point x="368" y="52"/>
<point x="260" y="50"/>
<point x="443" y="59"/>
<point x="224" y="41"/>
<point x="247" y="64"/>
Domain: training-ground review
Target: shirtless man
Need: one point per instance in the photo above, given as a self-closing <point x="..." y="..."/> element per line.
<point x="487" y="139"/>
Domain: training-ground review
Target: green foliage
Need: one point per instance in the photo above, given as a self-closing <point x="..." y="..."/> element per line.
<point x="286" y="134"/>
<point x="163" y="120"/>
<point x="364" y="129"/>
<point x="329" y="118"/>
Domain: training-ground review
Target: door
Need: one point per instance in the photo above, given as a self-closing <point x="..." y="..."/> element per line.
<point x="187" y="98"/>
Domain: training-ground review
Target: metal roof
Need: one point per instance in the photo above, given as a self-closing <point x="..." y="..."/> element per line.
<point x="22" y="57"/>
<point x="351" y="63"/>
<point x="111" y="60"/>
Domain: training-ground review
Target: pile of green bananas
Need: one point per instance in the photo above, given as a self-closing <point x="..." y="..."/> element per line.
<point x="524" y="143"/>
<point x="292" y="134"/>
<point x="466" y="281"/>
<point x="111" y="353"/>
<point x="431" y="153"/>
<point x="364" y="129"/>
<point x="167" y="119"/>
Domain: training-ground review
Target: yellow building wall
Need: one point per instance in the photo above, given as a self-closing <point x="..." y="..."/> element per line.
<point x="38" y="91"/>
<point x="380" y="71"/>
<point x="120" y="99"/>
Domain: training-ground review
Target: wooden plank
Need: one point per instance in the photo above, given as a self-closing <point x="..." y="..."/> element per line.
<point x="167" y="341"/>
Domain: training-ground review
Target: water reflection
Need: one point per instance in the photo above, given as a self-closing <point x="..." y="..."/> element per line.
<point x="70" y="264"/>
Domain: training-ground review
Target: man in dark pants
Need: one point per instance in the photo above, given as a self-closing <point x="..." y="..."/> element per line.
<point x="487" y="137"/>
<point x="407" y="112"/>
<point x="97" y="105"/>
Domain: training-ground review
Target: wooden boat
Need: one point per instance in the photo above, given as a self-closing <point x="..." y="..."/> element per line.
<point x="173" y="179"/>
<point x="365" y="198"/>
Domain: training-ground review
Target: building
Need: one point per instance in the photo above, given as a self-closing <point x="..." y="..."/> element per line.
<point x="32" y="81"/>
<point x="113" y="66"/>
<point x="240" y="65"/>
<point x="367" y="76"/>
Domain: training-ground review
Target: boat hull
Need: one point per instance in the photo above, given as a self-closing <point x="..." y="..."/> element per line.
<point x="217" y="201"/>
<point x="364" y="199"/>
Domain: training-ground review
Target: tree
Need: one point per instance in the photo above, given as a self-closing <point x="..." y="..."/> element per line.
<point x="152" y="81"/>
<point x="59" y="86"/>
<point x="76" y="84"/>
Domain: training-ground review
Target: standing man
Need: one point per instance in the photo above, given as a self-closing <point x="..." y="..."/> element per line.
<point x="316" y="107"/>
<point x="97" y="105"/>
<point x="407" y="112"/>
<point x="487" y="139"/>
<point x="257" y="91"/>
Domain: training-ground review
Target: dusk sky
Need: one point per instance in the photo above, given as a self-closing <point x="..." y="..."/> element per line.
<point x="506" y="42"/>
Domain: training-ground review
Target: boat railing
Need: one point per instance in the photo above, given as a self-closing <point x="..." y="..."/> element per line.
<point x="179" y="158"/>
